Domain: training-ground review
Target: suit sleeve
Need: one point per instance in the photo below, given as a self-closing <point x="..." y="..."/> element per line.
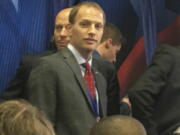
<point x="113" y="106"/>
<point x="16" y="85"/>
<point x="41" y="89"/>
<point x="144" y="93"/>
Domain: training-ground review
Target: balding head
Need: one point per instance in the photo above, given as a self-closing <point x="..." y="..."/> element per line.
<point x="118" y="125"/>
<point x="63" y="15"/>
<point x="62" y="27"/>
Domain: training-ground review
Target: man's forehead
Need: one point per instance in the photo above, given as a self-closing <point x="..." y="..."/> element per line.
<point x="90" y="14"/>
<point x="62" y="20"/>
<point x="64" y="12"/>
<point x="63" y="15"/>
<point x="62" y="23"/>
<point x="91" y="21"/>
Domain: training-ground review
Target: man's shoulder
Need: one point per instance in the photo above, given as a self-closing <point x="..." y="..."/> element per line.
<point x="167" y="48"/>
<point x="99" y="61"/>
<point x="166" y="52"/>
<point x="32" y="57"/>
<point x="57" y="56"/>
<point x="56" y="59"/>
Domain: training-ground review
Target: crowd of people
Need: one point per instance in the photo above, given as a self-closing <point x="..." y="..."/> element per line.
<point x="72" y="88"/>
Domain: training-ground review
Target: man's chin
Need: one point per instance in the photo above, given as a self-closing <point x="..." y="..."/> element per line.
<point x="90" y="49"/>
<point x="61" y="46"/>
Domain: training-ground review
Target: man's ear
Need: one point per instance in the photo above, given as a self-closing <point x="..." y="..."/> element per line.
<point x="70" y="28"/>
<point x="109" y="40"/>
<point x="108" y="43"/>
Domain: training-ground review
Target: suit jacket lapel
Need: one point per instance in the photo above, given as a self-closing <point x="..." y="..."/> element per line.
<point x="73" y="64"/>
<point x="101" y="88"/>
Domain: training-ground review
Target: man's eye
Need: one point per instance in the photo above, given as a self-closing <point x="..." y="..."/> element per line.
<point x="99" y="26"/>
<point x="68" y="26"/>
<point x="83" y="24"/>
<point x="58" y="27"/>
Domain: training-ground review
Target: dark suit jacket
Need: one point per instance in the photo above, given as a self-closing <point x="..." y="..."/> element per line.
<point x="155" y="97"/>
<point x="16" y="88"/>
<point x="57" y="87"/>
<point x="109" y="72"/>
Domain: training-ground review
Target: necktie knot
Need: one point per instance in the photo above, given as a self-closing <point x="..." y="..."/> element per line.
<point x="87" y="66"/>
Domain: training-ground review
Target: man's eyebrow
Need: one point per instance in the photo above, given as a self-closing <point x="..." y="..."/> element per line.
<point x="90" y="21"/>
<point x="62" y="24"/>
<point x="85" y="20"/>
<point x="58" y="24"/>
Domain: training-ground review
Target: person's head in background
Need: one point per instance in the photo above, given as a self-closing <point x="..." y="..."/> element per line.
<point x="87" y="24"/>
<point x="18" y="117"/>
<point x="118" y="125"/>
<point x="111" y="42"/>
<point x="61" y="29"/>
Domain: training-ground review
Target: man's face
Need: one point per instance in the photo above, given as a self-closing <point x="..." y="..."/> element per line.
<point x="112" y="52"/>
<point x="87" y="29"/>
<point x="62" y="29"/>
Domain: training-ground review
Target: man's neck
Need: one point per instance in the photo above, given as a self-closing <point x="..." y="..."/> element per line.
<point x="85" y="55"/>
<point x="100" y="50"/>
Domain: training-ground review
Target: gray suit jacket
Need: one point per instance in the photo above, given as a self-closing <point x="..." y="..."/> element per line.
<point x="57" y="87"/>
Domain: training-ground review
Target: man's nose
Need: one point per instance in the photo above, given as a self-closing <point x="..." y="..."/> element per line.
<point x="63" y="32"/>
<point x="92" y="30"/>
<point x="118" y="49"/>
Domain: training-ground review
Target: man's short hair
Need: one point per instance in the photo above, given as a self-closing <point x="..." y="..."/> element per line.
<point x="18" y="117"/>
<point x="88" y="4"/>
<point x="113" y="32"/>
<point x="118" y="125"/>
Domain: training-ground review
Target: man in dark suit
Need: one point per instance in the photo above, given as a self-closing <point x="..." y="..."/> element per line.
<point x="57" y="85"/>
<point x="155" y="97"/>
<point x="61" y="29"/>
<point x="16" y="88"/>
<point x="111" y="42"/>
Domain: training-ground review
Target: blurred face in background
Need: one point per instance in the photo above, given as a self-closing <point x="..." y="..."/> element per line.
<point x="62" y="29"/>
<point x="112" y="51"/>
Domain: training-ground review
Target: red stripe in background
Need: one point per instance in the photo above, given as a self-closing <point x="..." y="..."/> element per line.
<point x="135" y="63"/>
<point x="171" y="34"/>
<point x="133" y="66"/>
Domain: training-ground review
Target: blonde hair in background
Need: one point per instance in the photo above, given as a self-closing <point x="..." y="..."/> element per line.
<point x="18" y="117"/>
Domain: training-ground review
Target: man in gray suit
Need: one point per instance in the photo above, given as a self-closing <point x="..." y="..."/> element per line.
<point x="17" y="87"/>
<point x="57" y="85"/>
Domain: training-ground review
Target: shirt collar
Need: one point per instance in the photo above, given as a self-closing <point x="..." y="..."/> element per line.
<point x="78" y="56"/>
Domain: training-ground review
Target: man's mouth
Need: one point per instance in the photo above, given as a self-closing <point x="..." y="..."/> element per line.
<point x="62" y="42"/>
<point x="90" y="40"/>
